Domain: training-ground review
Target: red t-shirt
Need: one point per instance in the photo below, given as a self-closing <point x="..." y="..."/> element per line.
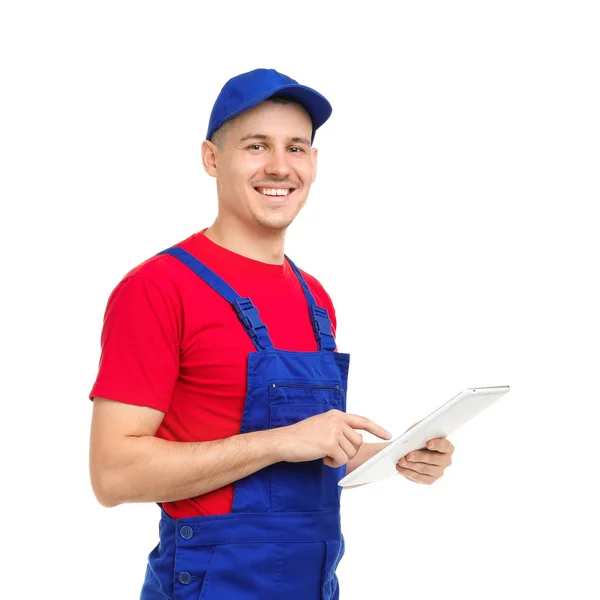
<point x="170" y="342"/>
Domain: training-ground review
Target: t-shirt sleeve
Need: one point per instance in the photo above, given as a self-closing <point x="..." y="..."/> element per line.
<point x="140" y="342"/>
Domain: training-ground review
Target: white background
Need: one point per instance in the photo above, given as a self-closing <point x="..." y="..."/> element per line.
<point x="454" y="223"/>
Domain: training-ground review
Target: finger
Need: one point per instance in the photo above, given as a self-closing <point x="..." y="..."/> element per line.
<point x="429" y="458"/>
<point x="441" y="445"/>
<point x="348" y="447"/>
<point x="416" y="477"/>
<point x="423" y="469"/>
<point x="355" y="438"/>
<point x="338" y="456"/>
<point x="358" y="422"/>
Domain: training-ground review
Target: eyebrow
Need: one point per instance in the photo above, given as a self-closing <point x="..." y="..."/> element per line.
<point x="261" y="136"/>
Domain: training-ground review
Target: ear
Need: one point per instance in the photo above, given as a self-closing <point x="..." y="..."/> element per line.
<point x="315" y="156"/>
<point x="209" y="157"/>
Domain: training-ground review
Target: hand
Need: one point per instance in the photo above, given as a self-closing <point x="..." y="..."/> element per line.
<point x="427" y="465"/>
<point x="331" y="436"/>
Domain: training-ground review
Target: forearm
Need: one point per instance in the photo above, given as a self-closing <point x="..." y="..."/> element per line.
<point x="150" y="469"/>
<point x="366" y="451"/>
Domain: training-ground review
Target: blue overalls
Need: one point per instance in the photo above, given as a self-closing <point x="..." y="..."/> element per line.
<point x="283" y="538"/>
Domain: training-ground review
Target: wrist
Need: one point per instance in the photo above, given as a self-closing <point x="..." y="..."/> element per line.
<point x="275" y="444"/>
<point x="365" y="452"/>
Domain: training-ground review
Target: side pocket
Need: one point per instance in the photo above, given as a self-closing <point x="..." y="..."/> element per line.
<point x="244" y="572"/>
<point x="192" y="563"/>
<point x="333" y="555"/>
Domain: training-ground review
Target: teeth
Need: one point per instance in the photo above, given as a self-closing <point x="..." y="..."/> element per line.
<point x="274" y="191"/>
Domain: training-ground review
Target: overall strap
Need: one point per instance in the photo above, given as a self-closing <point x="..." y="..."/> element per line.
<point x="246" y="311"/>
<point x="318" y="316"/>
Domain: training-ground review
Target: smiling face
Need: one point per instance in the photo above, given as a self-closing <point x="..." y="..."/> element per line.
<point x="264" y="165"/>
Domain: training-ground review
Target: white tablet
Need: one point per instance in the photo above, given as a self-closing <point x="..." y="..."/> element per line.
<point x="439" y="424"/>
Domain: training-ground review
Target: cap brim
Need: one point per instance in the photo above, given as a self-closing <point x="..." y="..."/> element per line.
<point x="317" y="106"/>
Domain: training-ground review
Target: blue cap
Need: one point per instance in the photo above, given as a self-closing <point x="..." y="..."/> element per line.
<point x="249" y="89"/>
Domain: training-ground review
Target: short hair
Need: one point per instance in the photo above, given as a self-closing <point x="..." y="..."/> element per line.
<point x="217" y="137"/>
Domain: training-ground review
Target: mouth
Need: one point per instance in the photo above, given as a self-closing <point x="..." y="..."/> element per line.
<point x="275" y="192"/>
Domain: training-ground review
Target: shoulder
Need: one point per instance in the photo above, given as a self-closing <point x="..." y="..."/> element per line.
<point x="157" y="272"/>
<point x="145" y="285"/>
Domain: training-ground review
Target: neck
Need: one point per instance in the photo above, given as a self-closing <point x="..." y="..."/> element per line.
<point x="259" y="244"/>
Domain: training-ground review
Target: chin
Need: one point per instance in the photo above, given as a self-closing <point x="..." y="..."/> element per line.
<point x="274" y="223"/>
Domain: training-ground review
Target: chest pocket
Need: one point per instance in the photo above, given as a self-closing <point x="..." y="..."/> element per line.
<point x="304" y="486"/>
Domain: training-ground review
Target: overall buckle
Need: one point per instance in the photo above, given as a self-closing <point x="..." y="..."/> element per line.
<point x="321" y="324"/>
<point x="250" y="318"/>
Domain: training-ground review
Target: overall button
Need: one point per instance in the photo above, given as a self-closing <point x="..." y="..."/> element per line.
<point x="184" y="577"/>
<point x="186" y="532"/>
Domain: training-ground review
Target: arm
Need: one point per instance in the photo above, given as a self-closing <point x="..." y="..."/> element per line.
<point x="366" y="451"/>
<point x="129" y="464"/>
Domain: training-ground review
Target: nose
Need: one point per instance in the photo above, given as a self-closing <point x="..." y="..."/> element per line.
<point x="277" y="164"/>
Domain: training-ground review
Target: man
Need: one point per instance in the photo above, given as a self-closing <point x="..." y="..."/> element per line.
<point x="220" y="394"/>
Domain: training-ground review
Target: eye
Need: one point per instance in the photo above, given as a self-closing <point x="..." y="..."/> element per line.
<point x="296" y="149"/>
<point x="255" y="146"/>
